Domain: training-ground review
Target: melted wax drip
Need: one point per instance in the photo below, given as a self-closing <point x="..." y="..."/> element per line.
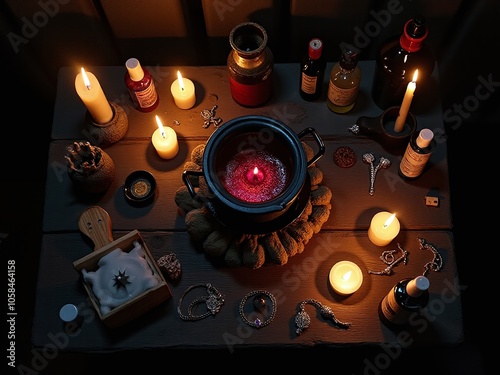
<point x="238" y="185"/>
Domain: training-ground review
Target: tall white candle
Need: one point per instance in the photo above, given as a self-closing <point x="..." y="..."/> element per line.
<point x="183" y="92"/>
<point x="90" y="92"/>
<point x="165" y="141"/>
<point x="405" y="105"/>
<point x="384" y="227"/>
<point x="345" y="277"/>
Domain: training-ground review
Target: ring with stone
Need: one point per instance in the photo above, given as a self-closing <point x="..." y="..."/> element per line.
<point x="263" y="313"/>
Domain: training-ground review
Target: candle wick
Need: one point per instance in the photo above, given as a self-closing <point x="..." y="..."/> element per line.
<point x="88" y="86"/>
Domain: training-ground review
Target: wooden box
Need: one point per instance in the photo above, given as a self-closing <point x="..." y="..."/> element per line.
<point x="136" y="306"/>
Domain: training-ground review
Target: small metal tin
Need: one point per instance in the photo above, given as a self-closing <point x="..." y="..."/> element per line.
<point x="139" y="187"/>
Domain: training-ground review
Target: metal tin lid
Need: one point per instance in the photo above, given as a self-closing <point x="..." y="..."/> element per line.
<point x="68" y="313"/>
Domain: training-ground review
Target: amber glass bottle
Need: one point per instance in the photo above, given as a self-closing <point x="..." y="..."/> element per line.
<point x="408" y="297"/>
<point x="397" y="60"/>
<point x="417" y="154"/>
<point x="345" y="78"/>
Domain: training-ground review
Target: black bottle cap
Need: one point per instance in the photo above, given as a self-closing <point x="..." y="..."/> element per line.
<point x="350" y="56"/>
<point x="416" y="28"/>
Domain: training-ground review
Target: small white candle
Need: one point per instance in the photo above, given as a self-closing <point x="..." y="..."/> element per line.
<point x="405" y="106"/>
<point x="165" y="141"/>
<point x="183" y="92"/>
<point x="90" y="92"/>
<point x="384" y="227"/>
<point x="345" y="277"/>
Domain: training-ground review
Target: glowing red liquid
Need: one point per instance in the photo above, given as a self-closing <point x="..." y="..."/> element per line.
<point x="241" y="181"/>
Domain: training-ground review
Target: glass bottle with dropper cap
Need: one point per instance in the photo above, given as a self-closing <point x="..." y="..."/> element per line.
<point x="417" y="154"/>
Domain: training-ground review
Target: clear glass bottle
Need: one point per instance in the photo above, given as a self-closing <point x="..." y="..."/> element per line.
<point x="250" y="64"/>
<point x="408" y="297"/>
<point x="396" y="61"/>
<point x="345" y="78"/>
<point x="312" y="71"/>
<point x="141" y="86"/>
<point x="417" y="154"/>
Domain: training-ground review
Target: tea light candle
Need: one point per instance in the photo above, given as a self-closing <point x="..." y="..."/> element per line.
<point x="183" y="92"/>
<point x="90" y="92"/>
<point x="165" y="141"/>
<point x="384" y="227"/>
<point x="405" y="105"/>
<point x="345" y="277"/>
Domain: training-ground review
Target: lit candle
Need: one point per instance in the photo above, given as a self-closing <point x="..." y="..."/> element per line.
<point x="345" y="277"/>
<point x="183" y="92"/>
<point x="165" y="141"/>
<point x="255" y="176"/>
<point x="90" y="92"/>
<point x="384" y="227"/>
<point x="405" y="106"/>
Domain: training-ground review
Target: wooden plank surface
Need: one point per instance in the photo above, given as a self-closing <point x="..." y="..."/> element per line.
<point x="212" y="88"/>
<point x="305" y="275"/>
<point x="352" y="206"/>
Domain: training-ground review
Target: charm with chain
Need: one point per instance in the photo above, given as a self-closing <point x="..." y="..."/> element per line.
<point x="303" y="320"/>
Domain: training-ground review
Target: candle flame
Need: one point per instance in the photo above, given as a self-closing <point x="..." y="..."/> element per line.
<point x="256" y="171"/>
<point x="415" y="76"/>
<point x="86" y="80"/>
<point x="181" y="81"/>
<point x="160" y="126"/>
<point x="347" y="275"/>
<point x="389" y="220"/>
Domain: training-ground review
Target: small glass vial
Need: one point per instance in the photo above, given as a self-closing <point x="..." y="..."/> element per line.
<point x="417" y="154"/>
<point x="409" y="296"/>
<point x="141" y="86"/>
<point x="345" y="78"/>
<point x="312" y="71"/>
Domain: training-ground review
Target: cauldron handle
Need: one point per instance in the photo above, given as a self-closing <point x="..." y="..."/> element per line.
<point x="187" y="182"/>
<point x="318" y="139"/>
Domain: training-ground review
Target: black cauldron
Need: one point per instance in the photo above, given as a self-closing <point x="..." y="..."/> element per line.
<point x="263" y="134"/>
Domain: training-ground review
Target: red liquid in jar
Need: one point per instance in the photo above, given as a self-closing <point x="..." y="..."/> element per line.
<point x="238" y="176"/>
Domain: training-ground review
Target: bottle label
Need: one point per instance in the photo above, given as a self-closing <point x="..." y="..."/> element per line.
<point x="308" y="84"/>
<point x="147" y="97"/>
<point x="251" y="95"/>
<point x="392" y="311"/>
<point x="340" y="96"/>
<point x="413" y="163"/>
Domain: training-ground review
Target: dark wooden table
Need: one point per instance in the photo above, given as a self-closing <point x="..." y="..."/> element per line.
<point x="305" y="275"/>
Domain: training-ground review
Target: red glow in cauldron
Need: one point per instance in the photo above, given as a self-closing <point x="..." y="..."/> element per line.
<point x="254" y="176"/>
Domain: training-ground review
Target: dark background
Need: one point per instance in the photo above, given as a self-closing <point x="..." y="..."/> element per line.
<point x="467" y="56"/>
